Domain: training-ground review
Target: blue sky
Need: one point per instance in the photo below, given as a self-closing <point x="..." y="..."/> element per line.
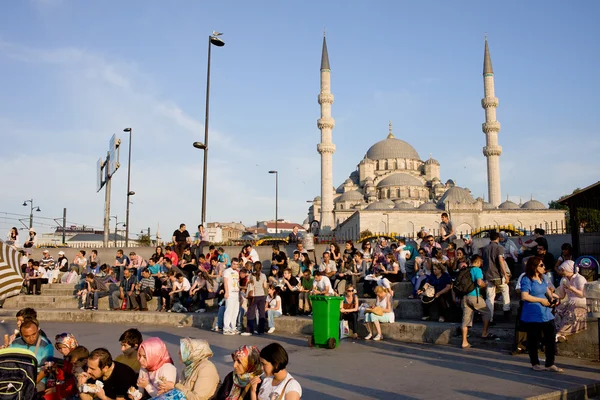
<point x="73" y="73"/>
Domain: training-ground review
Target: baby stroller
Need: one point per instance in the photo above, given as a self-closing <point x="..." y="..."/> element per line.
<point x="588" y="267"/>
<point x="18" y="374"/>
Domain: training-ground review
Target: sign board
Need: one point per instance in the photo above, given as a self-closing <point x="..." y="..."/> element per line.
<point x="113" y="155"/>
<point x="99" y="176"/>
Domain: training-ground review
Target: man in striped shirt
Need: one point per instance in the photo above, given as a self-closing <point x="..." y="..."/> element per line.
<point x="144" y="290"/>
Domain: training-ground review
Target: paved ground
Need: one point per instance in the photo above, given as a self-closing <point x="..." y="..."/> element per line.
<point x="370" y="370"/>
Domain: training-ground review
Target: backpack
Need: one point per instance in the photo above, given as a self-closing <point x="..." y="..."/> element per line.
<point x="18" y="374"/>
<point x="463" y="284"/>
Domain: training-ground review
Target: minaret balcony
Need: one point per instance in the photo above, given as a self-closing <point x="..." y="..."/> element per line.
<point x="326" y="123"/>
<point x="489" y="102"/>
<point x="492" y="126"/>
<point x="325" y="98"/>
<point x="493" y="150"/>
<point x="326" y="148"/>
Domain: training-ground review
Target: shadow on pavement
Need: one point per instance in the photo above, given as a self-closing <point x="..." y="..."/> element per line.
<point x="367" y="391"/>
<point x="487" y="396"/>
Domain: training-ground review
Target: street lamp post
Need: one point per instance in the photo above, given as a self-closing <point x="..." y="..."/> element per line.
<point x="213" y="39"/>
<point x="129" y="192"/>
<point x="30" y="201"/>
<point x="276" y="198"/>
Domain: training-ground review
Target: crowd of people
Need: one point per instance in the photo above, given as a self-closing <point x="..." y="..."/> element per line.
<point x="146" y="369"/>
<point x="454" y="283"/>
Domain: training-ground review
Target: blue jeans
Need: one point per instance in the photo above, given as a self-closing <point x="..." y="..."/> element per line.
<point x="221" y="317"/>
<point x="240" y="319"/>
<point x="95" y="298"/>
<point x="271" y="315"/>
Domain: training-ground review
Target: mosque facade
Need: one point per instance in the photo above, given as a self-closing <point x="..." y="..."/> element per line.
<point x="394" y="190"/>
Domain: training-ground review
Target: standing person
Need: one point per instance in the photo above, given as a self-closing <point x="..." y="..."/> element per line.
<point x="278" y="383"/>
<point x="511" y="253"/>
<point x="549" y="262"/>
<point x="246" y="366"/>
<point x="181" y="238"/>
<point x="496" y="274"/>
<point x="473" y="302"/>
<point x="257" y="300"/>
<point x="121" y="263"/>
<point x="116" y="378"/>
<point x="156" y="367"/>
<point x="12" y="239"/>
<point x="349" y="310"/>
<point x="199" y="379"/>
<point x="537" y="315"/>
<point x="447" y="233"/>
<point x="231" y="279"/>
<point x="200" y="241"/>
<point x="294" y="237"/>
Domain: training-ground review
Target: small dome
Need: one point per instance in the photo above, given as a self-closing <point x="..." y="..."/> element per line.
<point x="435" y="179"/>
<point x="354" y="177"/>
<point x="318" y="198"/>
<point x="533" y="205"/>
<point x="400" y="180"/>
<point x="380" y="205"/>
<point x="508" y="205"/>
<point x="340" y="189"/>
<point x="348" y="181"/>
<point x="403" y="205"/>
<point x="456" y="194"/>
<point x="351" y="195"/>
<point x="450" y="183"/>
<point x="432" y="161"/>
<point x="429" y="206"/>
<point x="392" y="148"/>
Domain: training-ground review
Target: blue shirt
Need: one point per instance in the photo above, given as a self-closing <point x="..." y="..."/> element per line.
<point x="224" y="258"/>
<point x="476" y="273"/>
<point x="155" y="269"/>
<point x="45" y="351"/>
<point x="535" y="312"/>
<point x="441" y="283"/>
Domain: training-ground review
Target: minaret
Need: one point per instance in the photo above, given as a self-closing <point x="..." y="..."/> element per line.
<point x="326" y="148"/>
<point x="491" y="127"/>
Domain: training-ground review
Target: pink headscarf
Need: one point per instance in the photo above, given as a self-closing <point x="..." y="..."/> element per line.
<point x="157" y="354"/>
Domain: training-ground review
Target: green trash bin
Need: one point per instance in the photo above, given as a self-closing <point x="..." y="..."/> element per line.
<point x="326" y="321"/>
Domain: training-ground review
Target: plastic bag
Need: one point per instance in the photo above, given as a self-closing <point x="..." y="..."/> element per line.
<point x="174" y="394"/>
<point x="344" y="329"/>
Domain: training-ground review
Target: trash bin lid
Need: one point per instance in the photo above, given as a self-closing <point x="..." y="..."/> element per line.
<point x="320" y="297"/>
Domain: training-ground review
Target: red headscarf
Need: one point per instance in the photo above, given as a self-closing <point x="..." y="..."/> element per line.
<point x="156" y="353"/>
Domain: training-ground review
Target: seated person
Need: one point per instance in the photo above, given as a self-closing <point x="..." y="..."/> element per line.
<point x="246" y="366"/>
<point x="116" y="378"/>
<point x="130" y="342"/>
<point x="126" y="289"/>
<point x="181" y="289"/>
<point x="571" y="313"/>
<point x="32" y="339"/>
<point x="273" y="307"/>
<point x="203" y="288"/>
<point x="381" y="313"/>
<point x="392" y="269"/>
<point x="156" y="367"/>
<point x="306" y="286"/>
<point x="423" y="268"/>
<point x="322" y="285"/>
<point x="144" y="290"/>
<point x="349" y="310"/>
<point x="442" y="299"/>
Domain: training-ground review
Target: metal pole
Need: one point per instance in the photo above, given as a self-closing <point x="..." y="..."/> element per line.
<point x="128" y="191"/>
<point x="107" y="206"/>
<point x="116" y="226"/>
<point x="31" y="215"/>
<point x="64" y="234"/>
<point x="276" y="201"/>
<point x="205" y="168"/>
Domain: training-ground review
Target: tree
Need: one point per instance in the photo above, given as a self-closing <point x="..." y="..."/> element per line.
<point x="588" y="219"/>
<point x="144" y="240"/>
<point x="366" y="233"/>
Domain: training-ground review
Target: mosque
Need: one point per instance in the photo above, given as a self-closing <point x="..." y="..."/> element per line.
<point x="394" y="190"/>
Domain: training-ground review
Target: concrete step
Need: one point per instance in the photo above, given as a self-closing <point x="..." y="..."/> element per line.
<point x="413" y="309"/>
<point x="67" y="302"/>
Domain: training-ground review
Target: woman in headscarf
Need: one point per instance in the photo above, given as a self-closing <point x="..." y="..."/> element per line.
<point x="156" y="366"/>
<point x="66" y="386"/>
<point x="571" y="313"/>
<point x="246" y="366"/>
<point x="199" y="379"/>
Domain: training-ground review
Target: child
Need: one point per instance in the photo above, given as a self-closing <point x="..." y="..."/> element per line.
<point x="66" y="383"/>
<point x="221" y="313"/>
<point x="273" y="307"/>
<point x="130" y="342"/>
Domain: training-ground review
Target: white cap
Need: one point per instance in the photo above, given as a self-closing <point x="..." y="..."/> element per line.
<point x="61" y="253"/>
<point x="31" y="230"/>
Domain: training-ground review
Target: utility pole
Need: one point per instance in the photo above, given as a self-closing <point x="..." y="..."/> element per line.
<point x="64" y="226"/>
<point x="107" y="204"/>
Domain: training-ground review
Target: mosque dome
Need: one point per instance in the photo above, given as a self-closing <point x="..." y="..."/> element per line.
<point x="392" y="148"/>
<point x="508" y="205"/>
<point x="533" y="205"/>
<point x="381" y="205"/>
<point x="400" y="180"/>
<point x="403" y="205"/>
<point x="456" y="194"/>
<point x="429" y="206"/>
<point x="488" y="206"/>
<point x="432" y="161"/>
<point x="351" y="195"/>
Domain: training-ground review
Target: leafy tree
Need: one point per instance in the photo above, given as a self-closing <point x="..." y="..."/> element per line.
<point x="587" y="218"/>
<point x="144" y="240"/>
<point x="365" y="233"/>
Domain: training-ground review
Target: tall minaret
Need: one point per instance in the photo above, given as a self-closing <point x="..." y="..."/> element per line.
<point x="326" y="148"/>
<point x="491" y="127"/>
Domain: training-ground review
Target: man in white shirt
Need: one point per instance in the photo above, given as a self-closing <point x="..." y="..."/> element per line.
<point x="181" y="289"/>
<point x="322" y="285"/>
<point x="327" y="267"/>
<point x="231" y="279"/>
<point x="38" y="277"/>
